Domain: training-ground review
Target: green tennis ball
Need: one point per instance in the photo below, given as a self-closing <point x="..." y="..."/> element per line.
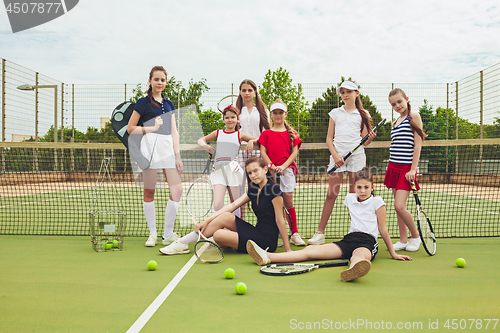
<point x="116" y="243"/>
<point x="460" y="262"/>
<point x="152" y="265"/>
<point x="240" y="288"/>
<point x="107" y="246"/>
<point x="229" y="273"/>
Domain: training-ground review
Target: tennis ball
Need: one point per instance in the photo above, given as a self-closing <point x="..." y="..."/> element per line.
<point x="107" y="246"/>
<point x="460" y="262"/>
<point x="240" y="288"/>
<point x="152" y="265"/>
<point x="116" y="243"/>
<point x="229" y="273"/>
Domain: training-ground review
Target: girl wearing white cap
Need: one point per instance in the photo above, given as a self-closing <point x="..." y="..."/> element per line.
<point x="279" y="147"/>
<point x="348" y="125"/>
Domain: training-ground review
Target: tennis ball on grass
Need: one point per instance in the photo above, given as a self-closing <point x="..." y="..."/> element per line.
<point x="107" y="246"/>
<point x="152" y="265"/>
<point x="229" y="273"/>
<point x="460" y="262"/>
<point x="240" y="288"/>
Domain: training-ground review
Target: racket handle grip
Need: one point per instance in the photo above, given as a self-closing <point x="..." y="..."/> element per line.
<point x="335" y="263"/>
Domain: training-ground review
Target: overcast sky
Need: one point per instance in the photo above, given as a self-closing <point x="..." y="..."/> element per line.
<point x="317" y="41"/>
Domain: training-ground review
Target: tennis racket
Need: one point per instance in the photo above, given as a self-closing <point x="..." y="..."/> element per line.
<point x="206" y="250"/>
<point x="285" y="215"/>
<point x="294" y="269"/>
<point x="226" y="101"/>
<point x="200" y="196"/>
<point x="332" y="170"/>
<point x="424" y="225"/>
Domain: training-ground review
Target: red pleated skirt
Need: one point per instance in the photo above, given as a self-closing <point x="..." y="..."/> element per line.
<point x="395" y="177"/>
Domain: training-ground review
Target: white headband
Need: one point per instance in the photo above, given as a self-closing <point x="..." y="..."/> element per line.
<point x="278" y="106"/>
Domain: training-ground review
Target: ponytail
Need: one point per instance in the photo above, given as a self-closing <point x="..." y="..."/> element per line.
<point x="366" y="120"/>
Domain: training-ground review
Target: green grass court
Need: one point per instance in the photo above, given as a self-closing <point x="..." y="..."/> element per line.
<point x="60" y="284"/>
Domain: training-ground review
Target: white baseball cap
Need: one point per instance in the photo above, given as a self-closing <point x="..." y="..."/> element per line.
<point x="348" y="85"/>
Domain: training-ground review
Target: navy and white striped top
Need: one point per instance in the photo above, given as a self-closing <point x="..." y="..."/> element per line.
<point x="403" y="143"/>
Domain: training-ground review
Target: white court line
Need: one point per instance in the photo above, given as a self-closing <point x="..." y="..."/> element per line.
<point x="146" y="315"/>
<point x="476" y="209"/>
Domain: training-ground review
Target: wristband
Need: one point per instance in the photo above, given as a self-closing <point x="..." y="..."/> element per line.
<point x="270" y="165"/>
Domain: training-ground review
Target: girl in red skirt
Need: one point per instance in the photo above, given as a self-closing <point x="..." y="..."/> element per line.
<point x="403" y="161"/>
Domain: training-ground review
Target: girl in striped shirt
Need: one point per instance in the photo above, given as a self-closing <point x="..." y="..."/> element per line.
<point x="403" y="161"/>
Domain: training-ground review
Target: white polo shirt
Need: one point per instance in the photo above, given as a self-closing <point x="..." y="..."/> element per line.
<point x="347" y="130"/>
<point x="250" y="122"/>
<point x="363" y="214"/>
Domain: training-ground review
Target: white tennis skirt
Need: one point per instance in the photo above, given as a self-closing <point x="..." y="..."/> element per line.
<point x="158" y="149"/>
<point x="234" y="178"/>
<point x="354" y="163"/>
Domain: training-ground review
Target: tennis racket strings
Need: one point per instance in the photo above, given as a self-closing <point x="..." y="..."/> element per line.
<point x="226" y="101"/>
<point x="199" y="198"/>
<point x="208" y="252"/>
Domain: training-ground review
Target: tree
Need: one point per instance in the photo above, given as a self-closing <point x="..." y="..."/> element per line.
<point x="278" y="85"/>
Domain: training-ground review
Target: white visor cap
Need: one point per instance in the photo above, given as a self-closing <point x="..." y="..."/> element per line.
<point x="348" y="85"/>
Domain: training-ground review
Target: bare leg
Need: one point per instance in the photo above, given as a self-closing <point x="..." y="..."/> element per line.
<point x="219" y="192"/>
<point x="311" y="252"/>
<point x="359" y="254"/>
<point x="405" y="219"/>
<point x="334" y="185"/>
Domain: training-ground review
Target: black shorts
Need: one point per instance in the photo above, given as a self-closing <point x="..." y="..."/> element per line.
<point x="247" y="231"/>
<point x="354" y="240"/>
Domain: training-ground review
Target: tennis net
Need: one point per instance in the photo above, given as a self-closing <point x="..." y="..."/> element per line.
<point x="46" y="188"/>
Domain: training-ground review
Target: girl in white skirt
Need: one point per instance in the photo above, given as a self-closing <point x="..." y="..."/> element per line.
<point x="160" y="146"/>
<point x="227" y="173"/>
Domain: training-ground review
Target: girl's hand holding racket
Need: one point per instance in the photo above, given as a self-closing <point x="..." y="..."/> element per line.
<point x="339" y="160"/>
<point x="158" y="123"/>
<point x="410" y="175"/>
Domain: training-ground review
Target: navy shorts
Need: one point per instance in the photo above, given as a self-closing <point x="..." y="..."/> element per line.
<point x="354" y="240"/>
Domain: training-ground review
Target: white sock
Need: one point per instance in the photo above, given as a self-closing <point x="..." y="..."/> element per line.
<point x="237" y="212"/>
<point x="170" y="214"/>
<point x="150" y="213"/>
<point x="189" y="238"/>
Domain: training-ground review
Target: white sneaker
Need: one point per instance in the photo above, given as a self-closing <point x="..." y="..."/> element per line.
<point x="399" y="246"/>
<point x="296" y="240"/>
<point x="258" y="254"/>
<point x="170" y="239"/>
<point x="317" y="239"/>
<point x="175" y="248"/>
<point x="361" y="268"/>
<point x="413" y="244"/>
<point x="151" y="242"/>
